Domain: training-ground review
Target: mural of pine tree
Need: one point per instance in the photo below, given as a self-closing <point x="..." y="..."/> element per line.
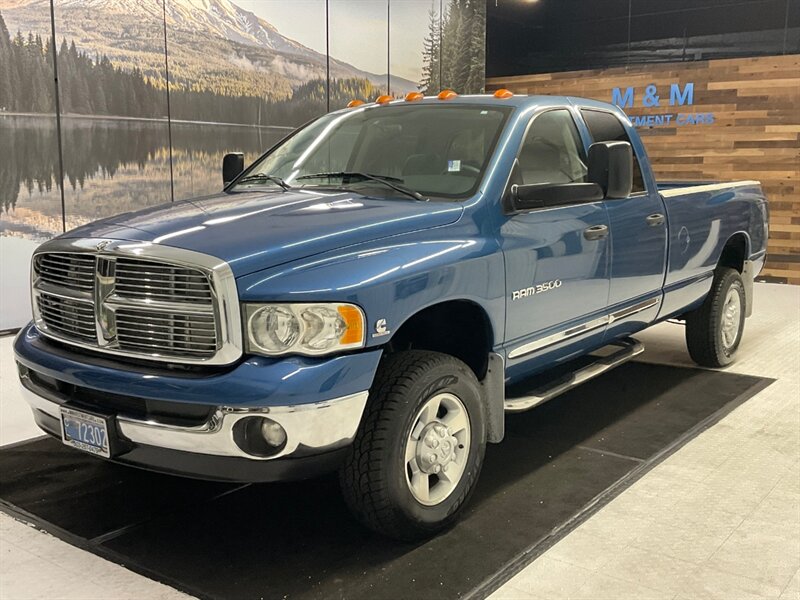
<point x="455" y="58"/>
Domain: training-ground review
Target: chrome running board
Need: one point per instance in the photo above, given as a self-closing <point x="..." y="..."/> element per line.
<point x="628" y="348"/>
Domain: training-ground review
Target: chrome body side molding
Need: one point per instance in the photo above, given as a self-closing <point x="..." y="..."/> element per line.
<point x="582" y="328"/>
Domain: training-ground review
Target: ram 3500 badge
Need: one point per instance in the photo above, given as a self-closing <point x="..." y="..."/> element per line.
<point x="352" y="301"/>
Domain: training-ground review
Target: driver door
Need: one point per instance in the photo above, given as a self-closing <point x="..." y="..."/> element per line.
<point x="556" y="259"/>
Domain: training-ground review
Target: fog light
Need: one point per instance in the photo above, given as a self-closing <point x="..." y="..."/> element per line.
<point x="259" y="436"/>
<point x="273" y="433"/>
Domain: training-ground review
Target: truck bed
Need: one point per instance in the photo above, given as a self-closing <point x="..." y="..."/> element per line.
<point x="675" y="188"/>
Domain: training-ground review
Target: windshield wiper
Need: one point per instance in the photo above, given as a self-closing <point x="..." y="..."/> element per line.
<point x="392" y="182"/>
<point x="262" y="177"/>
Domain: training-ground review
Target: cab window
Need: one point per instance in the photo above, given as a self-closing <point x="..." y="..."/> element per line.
<point x="606" y="127"/>
<point x="552" y="151"/>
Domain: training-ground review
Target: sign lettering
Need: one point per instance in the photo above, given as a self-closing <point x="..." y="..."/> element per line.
<point x="652" y="98"/>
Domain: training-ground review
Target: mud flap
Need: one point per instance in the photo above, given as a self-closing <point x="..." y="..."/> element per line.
<point x="494" y="391"/>
<point x="748" y="275"/>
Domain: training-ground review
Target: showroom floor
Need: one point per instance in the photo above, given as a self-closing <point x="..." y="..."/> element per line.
<point x="720" y="518"/>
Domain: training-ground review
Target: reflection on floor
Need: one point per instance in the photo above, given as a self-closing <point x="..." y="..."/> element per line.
<point x="717" y="519"/>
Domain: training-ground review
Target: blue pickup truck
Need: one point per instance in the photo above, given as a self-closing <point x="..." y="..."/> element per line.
<point x="365" y="297"/>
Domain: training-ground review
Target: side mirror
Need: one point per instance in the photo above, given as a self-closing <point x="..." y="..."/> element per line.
<point x="611" y="167"/>
<point x="232" y="165"/>
<point x="545" y="195"/>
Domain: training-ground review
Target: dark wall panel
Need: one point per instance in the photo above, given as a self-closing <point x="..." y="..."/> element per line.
<point x="543" y="37"/>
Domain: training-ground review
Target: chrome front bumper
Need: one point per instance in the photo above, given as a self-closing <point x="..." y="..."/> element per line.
<point x="310" y="428"/>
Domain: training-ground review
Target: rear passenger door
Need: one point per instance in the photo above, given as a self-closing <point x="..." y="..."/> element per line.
<point x="638" y="238"/>
<point x="556" y="272"/>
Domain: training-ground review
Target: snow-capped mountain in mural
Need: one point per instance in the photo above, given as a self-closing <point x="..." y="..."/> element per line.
<point x="218" y="17"/>
<point x="213" y="44"/>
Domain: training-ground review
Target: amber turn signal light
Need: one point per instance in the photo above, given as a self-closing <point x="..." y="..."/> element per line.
<point x="503" y="94"/>
<point x="385" y="99"/>
<point x="353" y="318"/>
<point x="354" y="103"/>
<point x="446" y="95"/>
<point x="414" y="96"/>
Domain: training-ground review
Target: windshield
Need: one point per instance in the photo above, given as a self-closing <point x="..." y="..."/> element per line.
<point x="423" y="151"/>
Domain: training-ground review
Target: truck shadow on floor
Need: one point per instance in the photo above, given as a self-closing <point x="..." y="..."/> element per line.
<point x="299" y="541"/>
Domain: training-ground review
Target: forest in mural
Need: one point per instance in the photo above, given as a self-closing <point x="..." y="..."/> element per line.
<point x="454" y="52"/>
<point x="94" y="86"/>
<point x="453" y="56"/>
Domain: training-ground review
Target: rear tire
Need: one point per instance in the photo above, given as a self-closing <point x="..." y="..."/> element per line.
<point x="419" y="449"/>
<point x="714" y="330"/>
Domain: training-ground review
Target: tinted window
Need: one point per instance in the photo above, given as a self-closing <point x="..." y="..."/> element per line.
<point x="552" y="151"/>
<point x="605" y="127"/>
<point x="440" y="151"/>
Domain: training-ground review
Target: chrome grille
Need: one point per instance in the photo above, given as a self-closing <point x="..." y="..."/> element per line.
<point x="70" y="318"/>
<point x="133" y="303"/>
<point x="145" y="331"/>
<point x="71" y="270"/>
<point x="145" y="279"/>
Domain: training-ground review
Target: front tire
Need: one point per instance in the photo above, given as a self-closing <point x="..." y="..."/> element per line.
<point x="418" y="452"/>
<point x="714" y="330"/>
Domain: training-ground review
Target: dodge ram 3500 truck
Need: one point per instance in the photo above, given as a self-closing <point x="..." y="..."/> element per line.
<point x="365" y="295"/>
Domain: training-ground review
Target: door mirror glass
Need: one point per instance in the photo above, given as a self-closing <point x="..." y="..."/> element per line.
<point x="611" y="167"/>
<point x="547" y="195"/>
<point x="232" y="165"/>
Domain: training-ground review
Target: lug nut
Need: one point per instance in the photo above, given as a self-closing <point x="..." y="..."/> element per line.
<point x="431" y="458"/>
<point x="444" y="468"/>
<point x="436" y="468"/>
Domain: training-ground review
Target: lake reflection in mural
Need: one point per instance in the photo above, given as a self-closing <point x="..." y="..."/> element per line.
<point x="111" y="166"/>
<point x="126" y="161"/>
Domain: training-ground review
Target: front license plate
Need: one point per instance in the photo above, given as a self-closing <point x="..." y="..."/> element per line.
<point x="85" y="431"/>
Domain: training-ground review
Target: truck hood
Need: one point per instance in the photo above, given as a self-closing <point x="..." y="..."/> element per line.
<point x="256" y="230"/>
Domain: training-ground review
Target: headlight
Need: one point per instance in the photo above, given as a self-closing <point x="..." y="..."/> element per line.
<point x="310" y="329"/>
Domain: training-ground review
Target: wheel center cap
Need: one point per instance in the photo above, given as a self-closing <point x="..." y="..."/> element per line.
<point x="436" y="448"/>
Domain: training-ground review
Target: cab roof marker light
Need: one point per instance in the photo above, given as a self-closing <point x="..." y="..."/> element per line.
<point x="446" y="95"/>
<point x="354" y="103"/>
<point x="414" y="96"/>
<point x="385" y="99"/>
<point x="503" y="94"/>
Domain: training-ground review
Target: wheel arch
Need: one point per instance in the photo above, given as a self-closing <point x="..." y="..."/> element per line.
<point x="735" y="252"/>
<point x="450" y="327"/>
<point x="459" y="327"/>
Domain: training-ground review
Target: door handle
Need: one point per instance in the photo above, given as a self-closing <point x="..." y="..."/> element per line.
<point x="595" y="232"/>
<point x="655" y="220"/>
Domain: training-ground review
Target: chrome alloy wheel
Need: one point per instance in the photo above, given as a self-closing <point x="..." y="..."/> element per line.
<point x="437" y="449"/>
<point x="731" y="311"/>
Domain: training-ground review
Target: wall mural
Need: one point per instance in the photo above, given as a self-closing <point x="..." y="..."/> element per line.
<point x="152" y="93"/>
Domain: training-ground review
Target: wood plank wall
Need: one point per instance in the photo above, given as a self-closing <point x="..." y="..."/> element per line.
<point x="755" y="134"/>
